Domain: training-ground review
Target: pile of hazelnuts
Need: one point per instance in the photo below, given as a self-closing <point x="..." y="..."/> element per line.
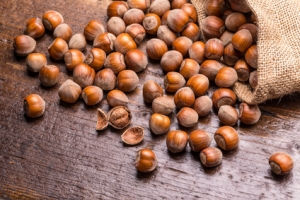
<point x="190" y="66"/>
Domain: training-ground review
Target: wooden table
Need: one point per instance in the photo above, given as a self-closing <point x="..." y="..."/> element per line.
<point x="61" y="156"/>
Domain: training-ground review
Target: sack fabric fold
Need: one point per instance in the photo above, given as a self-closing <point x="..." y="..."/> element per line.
<point x="278" y="47"/>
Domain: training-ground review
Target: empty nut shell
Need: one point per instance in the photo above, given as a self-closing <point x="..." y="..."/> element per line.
<point x="119" y="117"/>
<point x="133" y="135"/>
<point x="102" y="121"/>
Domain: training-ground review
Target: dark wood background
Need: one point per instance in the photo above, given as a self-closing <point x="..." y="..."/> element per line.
<point x="61" y="156"/>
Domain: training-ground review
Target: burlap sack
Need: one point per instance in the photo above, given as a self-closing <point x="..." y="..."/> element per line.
<point x="278" y="49"/>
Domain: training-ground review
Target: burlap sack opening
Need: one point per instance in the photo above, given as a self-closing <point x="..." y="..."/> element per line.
<point x="278" y="49"/>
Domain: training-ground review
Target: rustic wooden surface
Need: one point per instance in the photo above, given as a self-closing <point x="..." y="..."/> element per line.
<point x="61" y="156"/>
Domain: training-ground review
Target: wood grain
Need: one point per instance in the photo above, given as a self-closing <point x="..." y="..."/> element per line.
<point x="61" y="156"/>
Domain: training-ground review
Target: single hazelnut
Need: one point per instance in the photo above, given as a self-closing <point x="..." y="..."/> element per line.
<point x="34" y="27"/>
<point x="203" y="105"/>
<point x="199" y="140"/>
<point x="115" y="61"/>
<point x="119" y="117"/>
<point x="249" y="114"/>
<point x="212" y="27"/>
<point x="189" y="68"/>
<point x="253" y="79"/>
<point x="136" y="60"/>
<point x="177" y="20"/>
<point x="242" y="40"/>
<point x="226" y="77"/>
<point x="151" y="23"/>
<point x="105" y="41"/>
<point x="171" y="61"/>
<point x="226" y="138"/>
<point x="197" y="51"/>
<point x="184" y="97"/>
<point x="69" y="91"/>
<point x="51" y="19"/>
<point x="231" y="55"/>
<point x="191" y="11"/>
<point x="93" y="29"/>
<point x="117" y="98"/>
<point x="228" y="115"/>
<point x="223" y="96"/>
<point x="242" y="70"/>
<point x="77" y="41"/>
<point x="166" y="34"/>
<point x="49" y="75"/>
<point x="95" y="58"/>
<point x="72" y="58"/>
<point x="173" y="81"/>
<point x="159" y="7"/>
<point x="145" y="161"/>
<point x="105" y="79"/>
<point x="139" y="4"/>
<point x="214" y="7"/>
<point x="234" y="21"/>
<point x="127" y="80"/>
<point x="199" y="84"/>
<point x="240" y="6"/>
<point x="116" y="8"/>
<point x="182" y="44"/>
<point x="177" y="4"/>
<point x="163" y="105"/>
<point x="35" y="61"/>
<point x="34" y="105"/>
<point x="226" y="38"/>
<point x="137" y="32"/>
<point x="252" y="28"/>
<point x="124" y="43"/>
<point x="156" y="48"/>
<point x="210" y="68"/>
<point x="83" y="75"/>
<point x="151" y="90"/>
<point x="191" y="31"/>
<point x="92" y="95"/>
<point x="116" y="26"/>
<point x="176" y="140"/>
<point x="164" y="18"/>
<point x="24" y="45"/>
<point x="63" y="31"/>
<point x="159" y="123"/>
<point x="187" y="117"/>
<point x="58" y="48"/>
<point x="133" y="16"/>
<point x="211" y="156"/>
<point x="251" y="56"/>
<point x="214" y="49"/>
<point x="281" y="163"/>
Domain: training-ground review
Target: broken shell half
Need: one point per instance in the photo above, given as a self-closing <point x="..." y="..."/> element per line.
<point x="133" y="135"/>
<point x="119" y="117"/>
<point x="102" y="121"/>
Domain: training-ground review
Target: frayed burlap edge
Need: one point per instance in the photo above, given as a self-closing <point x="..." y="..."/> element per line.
<point x="278" y="49"/>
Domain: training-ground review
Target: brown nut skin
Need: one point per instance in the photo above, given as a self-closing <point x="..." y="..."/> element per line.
<point x="51" y="19"/>
<point x="95" y="58"/>
<point x="210" y="68"/>
<point x="115" y="61"/>
<point x="176" y="140"/>
<point x="35" y="61"/>
<point x="63" y="31"/>
<point x="151" y="23"/>
<point x="127" y="80"/>
<point x="133" y="135"/>
<point x="24" y="45"/>
<point x="189" y="68"/>
<point x="213" y="27"/>
<point x="83" y="75"/>
<point x="228" y="115"/>
<point x="238" y="5"/>
<point x="231" y="55"/>
<point x="156" y="48"/>
<point x="117" y="8"/>
<point x="184" y="97"/>
<point x="226" y="138"/>
<point x="173" y="81"/>
<point x="191" y="11"/>
<point x="211" y="157"/>
<point x="72" y="58"/>
<point x="105" y="41"/>
<point x="191" y="31"/>
<point x="171" y="61"/>
<point x="214" y="49"/>
<point x="92" y="95"/>
<point x="163" y="105"/>
<point x="177" y="4"/>
<point x="164" y="18"/>
<point x="93" y="29"/>
<point x="223" y="96"/>
<point x="252" y="28"/>
<point x="49" y="75"/>
<point x="199" y="140"/>
<point x="197" y="51"/>
<point x="116" y="26"/>
<point x="177" y="20"/>
<point x="253" y="82"/>
<point x="249" y="114"/>
<point x="117" y="98"/>
<point x="137" y="32"/>
<point x="251" y="56"/>
<point x="34" y="28"/>
<point x="234" y="21"/>
<point x="187" y="117"/>
<point x="203" y="105"/>
<point x="242" y="70"/>
<point x="105" y="79"/>
<point x="214" y="7"/>
<point x="58" y="48"/>
<point x="159" y="7"/>
<point x="34" y="105"/>
<point x="182" y="44"/>
<point x="199" y="84"/>
<point x="77" y="41"/>
<point x="124" y="43"/>
<point x="145" y="161"/>
<point x="139" y="4"/>
<point x="133" y="16"/>
<point x="166" y="34"/>
<point x="281" y="163"/>
<point x="242" y="40"/>
<point x="69" y="91"/>
<point x="159" y="124"/>
<point x="119" y="117"/>
<point x="226" y="77"/>
<point x="151" y="90"/>
<point x="226" y="37"/>
<point x="136" y="60"/>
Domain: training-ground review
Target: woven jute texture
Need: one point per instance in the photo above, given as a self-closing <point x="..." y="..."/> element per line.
<point x="278" y="49"/>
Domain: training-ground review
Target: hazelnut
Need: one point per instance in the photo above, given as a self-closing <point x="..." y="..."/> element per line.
<point x="124" y="43"/>
<point x="191" y="11"/>
<point x="116" y="26"/>
<point x="249" y="114"/>
<point x="251" y="56"/>
<point x="151" y="23"/>
<point x="171" y="61"/>
<point x="166" y="34"/>
<point x="187" y="117"/>
<point x="159" y="123"/>
<point x="119" y="117"/>
<point x="95" y="58"/>
<point x="69" y="91"/>
<point x="214" y="7"/>
<point x="173" y="81"/>
<point x="238" y="5"/>
<point x="139" y="4"/>
<point x="159" y="7"/>
<point x="72" y="58"/>
<point x="145" y="160"/>
<point x="214" y="49"/>
<point x="252" y="28"/>
<point x="136" y="60"/>
<point x="115" y="61"/>
<point x="281" y="163"/>
<point x="228" y="115"/>
<point x="102" y="121"/>
<point x="253" y="79"/>
<point x="49" y="75"/>
<point x="203" y="105"/>
<point x="231" y="55"/>
<point x="199" y="140"/>
<point x="210" y="68"/>
<point x="234" y="20"/>
<point x="242" y="40"/>
<point x="77" y="41"/>
<point x="92" y="95"/>
<point x="117" y="98"/>
<point x="226" y="38"/>
<point x="182" y="44"/>
<point x="177" y="4"/>
<point x="184" y="97"/>
<point x="223" y="96"/>
<point x="191" y="31"/>
<point x="226" y="138"/>
<point x="137" y="32"/>
<point x="93" y="29"/>
<point x="189" y="68"/>
<point x="226" y="77"/>
<point x="35" y="61"/>
<point x="127" y="80"/>
<point x="117" y="8"/>
<point x="212" y="27"/>
<point x="63" y="31"/>
<point x="156" y="48"/>
<point x="176" y="140"/>
<point x="211" y="157"/>
<point x="242" y="70"/>
<point x="197" y="51"/>
<point x="151" y="90"/>
<point x="164" y="18"/>
<point x="51" y="19"/>
<point x="177" y="20"/>
<point x="133" y="135"/>
<point x="163" y="105"/>
<point x="198" y="83"/>
<point x="24" y="45"/>
<point x="133" y="16"/>
<point x="58" y="48"/>
<point x="34" y="28"/>
<point x="105" y="41"/>
<point x="34" y="105"/>
<point x="83" y="75"/>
